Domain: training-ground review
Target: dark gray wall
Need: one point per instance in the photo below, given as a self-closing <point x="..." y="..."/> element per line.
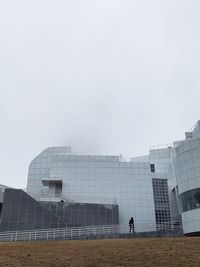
<point x="83" y="214"/>
<point x="22" y="212"/>
<point x="0" y="210"/>
<point x="1" y="197"/>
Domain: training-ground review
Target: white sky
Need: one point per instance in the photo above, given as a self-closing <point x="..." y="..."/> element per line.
<point x="105" y="77"/>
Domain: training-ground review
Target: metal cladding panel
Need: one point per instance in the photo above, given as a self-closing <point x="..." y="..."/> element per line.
<point x="98" y="179"/>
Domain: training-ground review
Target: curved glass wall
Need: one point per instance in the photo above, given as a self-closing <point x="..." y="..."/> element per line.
<point x="190" y="200"/>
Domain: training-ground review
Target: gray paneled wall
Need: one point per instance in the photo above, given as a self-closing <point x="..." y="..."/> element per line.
<point x="22" y="212"/>
<point x="82" y="214"/>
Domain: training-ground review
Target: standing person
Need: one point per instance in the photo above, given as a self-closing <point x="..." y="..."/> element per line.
<point x="131" y="225"/>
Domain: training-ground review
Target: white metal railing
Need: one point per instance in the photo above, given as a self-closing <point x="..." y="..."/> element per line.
<point x="56" y="234"/>
<point x="78" y="232"/>
<point x="162" y="146"/>
<point x="74" y="198"/>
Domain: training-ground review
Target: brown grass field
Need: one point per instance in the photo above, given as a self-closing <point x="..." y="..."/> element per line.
<point x="116" y="252"/>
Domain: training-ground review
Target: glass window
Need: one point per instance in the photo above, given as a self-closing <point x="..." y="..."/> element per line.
<point x="190" y="200"/>
<point x="152" y="166"/>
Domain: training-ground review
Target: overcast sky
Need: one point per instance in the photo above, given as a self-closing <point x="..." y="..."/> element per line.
<point x="105" y="77"/>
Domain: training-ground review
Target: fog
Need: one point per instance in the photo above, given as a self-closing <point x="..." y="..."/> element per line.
<point x="105" y="77"/>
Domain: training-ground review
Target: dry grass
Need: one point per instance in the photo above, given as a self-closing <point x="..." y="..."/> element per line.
<point x="116" y="252"/>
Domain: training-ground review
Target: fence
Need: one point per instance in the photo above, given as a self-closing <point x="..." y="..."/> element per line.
<point x="59" y="234"/>
<point x="74" y="198"/>
<point x="76" y="233"/>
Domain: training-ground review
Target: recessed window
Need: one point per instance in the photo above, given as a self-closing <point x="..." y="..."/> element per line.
<point x="152" y="166"/>
<point x="190" y="200"/>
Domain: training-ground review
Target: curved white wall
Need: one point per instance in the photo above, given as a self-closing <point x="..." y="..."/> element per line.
<point x="187" y="168"/>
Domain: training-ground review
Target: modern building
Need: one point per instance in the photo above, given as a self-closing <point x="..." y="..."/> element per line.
<point x="186" y="160"/>
<point x="135" y="187"/>
<point x="180" y="163"/>
<point x="160" y="190"/>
